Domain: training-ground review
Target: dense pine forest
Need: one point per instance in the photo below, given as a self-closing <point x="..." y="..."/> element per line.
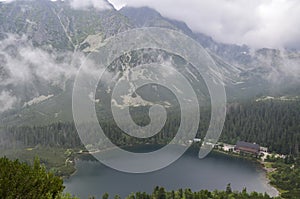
<point x="274" y="124"/>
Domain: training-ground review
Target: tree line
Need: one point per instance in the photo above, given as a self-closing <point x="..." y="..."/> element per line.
<point x="274" y="124"/>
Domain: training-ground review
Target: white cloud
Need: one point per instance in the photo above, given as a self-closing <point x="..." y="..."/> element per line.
<point x="7" y="101"/>
<point x="80" y="4"/>
<point x="23" y="62"/>
<point x="7" y="1"/>
<point x="258" y="23"/>
<point x="83" y="4"/>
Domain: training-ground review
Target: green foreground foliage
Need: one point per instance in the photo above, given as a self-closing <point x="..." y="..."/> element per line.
<point x="19" y="180"/>
<point x="57" y="160"/>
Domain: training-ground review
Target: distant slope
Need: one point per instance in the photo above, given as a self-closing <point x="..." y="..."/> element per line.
<point x="67" y="34"/>
<point x="57" y="24"/>
<point x="247" y="72"/>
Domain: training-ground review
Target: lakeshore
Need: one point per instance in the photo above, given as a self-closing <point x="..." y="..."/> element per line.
<point x="213" y="172"/>
<point x="267" y="170"/>
<point x="226" y="150"/>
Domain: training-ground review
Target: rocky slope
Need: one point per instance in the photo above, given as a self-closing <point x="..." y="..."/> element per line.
<point x="43" y="44"/>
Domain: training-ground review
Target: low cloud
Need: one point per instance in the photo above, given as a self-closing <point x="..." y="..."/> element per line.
<point x="84" y="4"/>
<point x="259" y="24"/>
<point x="7" y="1"/>
<point x="7" y="101"/>
<point x="287" y="69"/>
<point x="79" y="4"/>
<point x="21" y="63"/>
<point x="269" y="23"/>
<point x="28" y="72"/>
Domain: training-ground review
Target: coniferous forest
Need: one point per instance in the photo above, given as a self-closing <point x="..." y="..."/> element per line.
<point x="273" y="124"/>
<point x="70" y="66"/>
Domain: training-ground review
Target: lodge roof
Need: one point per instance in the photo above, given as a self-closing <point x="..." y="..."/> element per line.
<point x="247" y="145"/>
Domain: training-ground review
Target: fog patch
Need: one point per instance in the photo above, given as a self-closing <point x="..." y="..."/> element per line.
<point x="7" y="101"/>
<point x="85" y="4"/>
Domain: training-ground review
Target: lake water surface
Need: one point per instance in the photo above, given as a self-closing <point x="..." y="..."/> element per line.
<point x="213" y="172"/>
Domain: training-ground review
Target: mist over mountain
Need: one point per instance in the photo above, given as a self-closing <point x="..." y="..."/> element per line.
<point x="43" y="43"/>
<point x="284" y="62"/>
<point x="259" y="24"/>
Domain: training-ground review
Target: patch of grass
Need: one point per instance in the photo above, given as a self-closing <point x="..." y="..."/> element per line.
<point x="268" y="165"/>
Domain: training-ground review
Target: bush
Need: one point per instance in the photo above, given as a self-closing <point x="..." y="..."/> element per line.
<point x="19" y="180"/>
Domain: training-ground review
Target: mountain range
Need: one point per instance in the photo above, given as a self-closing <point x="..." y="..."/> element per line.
<point x="43" y="43"/>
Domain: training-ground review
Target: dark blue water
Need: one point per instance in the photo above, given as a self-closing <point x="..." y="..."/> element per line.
<point x="213" y="172"/>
